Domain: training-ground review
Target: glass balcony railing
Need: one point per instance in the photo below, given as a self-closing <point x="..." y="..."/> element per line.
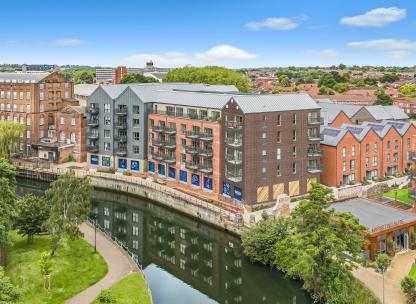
<point x="315" y="120"/>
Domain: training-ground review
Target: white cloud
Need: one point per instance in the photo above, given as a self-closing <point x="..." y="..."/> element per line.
<point x="330" y="53"/>
<point x="398" y="54"/>
<point x="277" y="24"/>
<point x="377" y="17"/>
<point x="67" y="42"/>
<point x="384" y="44"/>
<point x="225" y="52"/>
<point x="219" y="54"/>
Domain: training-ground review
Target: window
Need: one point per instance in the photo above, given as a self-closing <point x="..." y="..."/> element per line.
<point x="366" y="162"/>
<point x="21" y="95"/>
<point x="136" y="135"/>
<point x="41" y="96"/>
<point x="28" y="121"/>
<point x="107" y="146"/>
<point x="278" y="153"/>
<point x="135" y="217"/>
<point x="28" y="96"/>
<point x="375" y="161"/>
<point x="263" y="135"/>
<point x="293" y="135"/>
<point x="279" y="120"/>
<point x="279" y="138"/>
<point x="73" y="137"/>
<point x="388" y="144"/>
<point x="107" y="120"/>
<point x="28" y="109"/>
<point x="264" y="172"/>
<point x="263" y="155"/>
<point x="294" y="168"/>
<point x="396" y="144"/>
<point x="375" y="147"/>
<point x="294" y="151"/>
<point x="41" y="107"/>
<point x="136" y="110"/>
<point x="294" y="119"/>
<point x="135" y="231"/>
<point x="136" y="123"/>
<point x="107" y="108"/>
<point x="73" y="120"/>
<point x="278" y="171"/>
<point x="408" y="143"/>
<point x="179" y="112"/>
<point x="352" y="164"/>
<point x="106" y="133"/>
<point x="344" y="151"/>
<point x="27" y="134"/>
<point x="344" y="166"/>
<point x="353" y="150"/>
<point x="367" y="148"/>
<point x="62" y="136"/>
<point x="62" y="120"/>
<point x="136" y="149"/>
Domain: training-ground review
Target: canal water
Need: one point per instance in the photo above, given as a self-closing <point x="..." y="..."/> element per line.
<point x="184" y="260"/>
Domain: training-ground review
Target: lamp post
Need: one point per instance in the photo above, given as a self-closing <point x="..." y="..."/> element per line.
<point x="94" y="216"/>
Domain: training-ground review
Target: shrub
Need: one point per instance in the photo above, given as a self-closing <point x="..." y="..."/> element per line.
<point x="408" y="285"/>
<point x="127" y="173"/>
<point x="106" y="296"/>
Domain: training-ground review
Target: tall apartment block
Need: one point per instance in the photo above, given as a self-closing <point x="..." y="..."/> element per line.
<point x="117" y="135"/>
<point x="33" y="99"/>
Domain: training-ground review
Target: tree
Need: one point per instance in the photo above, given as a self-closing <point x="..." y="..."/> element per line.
<point x="341" y="87"/>
<point x="209" y="75"/>
<point x="70" y="201"/>
<point x="31" y="217"/>
<point x="379" y="91"/>
<point x="315" y="249"/>
<point x="8" y="292"/>
<point x="84" y="76"/>
<point x="407" y="89"/>
<point x="382" y="263"/>
<point x="45" y="265"/>
<point x="137" y="78"/>
<point x="10" y="132"/>
<point x="327" y="80"/>
<point x="7" y="203"/>
<point x="390" y="78"/>
<point x="342" y="66"/>
<point x="408" y="285"/>
<point x="259" y="241"/>
<point x="383" y="100"/>
<point x="284" y="80"/>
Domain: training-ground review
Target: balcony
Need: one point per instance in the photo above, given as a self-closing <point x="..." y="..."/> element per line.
<point x="192" y="150"/>
<point x="315" y="120"/>
<point x="158" y="142"/>
<point x="157" y="156"/>
<point x="170" y="144"/>
<point x="206" y="137"/>
<point x="233" y="142"/>
<point x="234" y="176"/>
<point x="93" y="123"/>
<point x="206" y="153"/>
<point x="314" y="137"/>
<point x="120" y="138"/>
<point x="207" y="169"/>
<point x="185" y="115"/>
<point x="121" y="125"/>
<point x="192" y="165"/>
<point x="315" y="153"/>
<point x="233" y="160"/>
<point x="412" y="193"/>
<point x="193" y="134"/>
<point x="234" y="125"/>
<point x="163" y="143"/>
<point x="169" y="130"/>
<point x="315" y="168"/>
<point x="121" y="112"/>
<point x="92" y="136"/>
<point x="92" y="110"/>
<point x="121" y="151"/>
<point x="169" y="158"/>
<point x="92" y="148"/>
<point x="157" y="129"/>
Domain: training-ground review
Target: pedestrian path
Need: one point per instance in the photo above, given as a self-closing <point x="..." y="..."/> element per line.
<point x="119" y="265"/>
<point x="399" y="268"/>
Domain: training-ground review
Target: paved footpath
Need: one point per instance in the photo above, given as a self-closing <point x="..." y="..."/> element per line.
<point x="119" y="265"/>
<point x="399" y="268"/>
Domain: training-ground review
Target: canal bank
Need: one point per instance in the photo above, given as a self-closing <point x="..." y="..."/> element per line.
<point x="207" y="211"/>
<point x="184" y="258"/>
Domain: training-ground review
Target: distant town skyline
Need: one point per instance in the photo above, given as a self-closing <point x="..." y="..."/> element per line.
<point x="235" y="34"/>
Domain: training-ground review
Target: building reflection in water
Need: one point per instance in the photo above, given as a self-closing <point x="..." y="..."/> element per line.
<point x="202" y="258"/>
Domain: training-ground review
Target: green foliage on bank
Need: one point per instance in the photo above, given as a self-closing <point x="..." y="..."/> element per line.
<point x="209" y="75"/>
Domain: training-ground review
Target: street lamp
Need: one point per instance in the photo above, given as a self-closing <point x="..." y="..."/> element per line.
<point x="94" y="217"/>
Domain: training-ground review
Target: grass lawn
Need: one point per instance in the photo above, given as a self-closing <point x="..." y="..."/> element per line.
<point x="361" y="294"/>
<point x="75" y="268"/>
<point x="130" y="290"/>
<point x="402" y="195"/>
<point x="412" y="272"/>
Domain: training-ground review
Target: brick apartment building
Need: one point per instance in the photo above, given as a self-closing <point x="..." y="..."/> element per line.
<point x="356" y="152"/>
<point x="33" y="99"/>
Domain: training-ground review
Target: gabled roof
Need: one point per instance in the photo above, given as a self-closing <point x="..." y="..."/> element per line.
<point x="380" y="128"/>
<point x="193" y="99"/>
<point x="386" y="112"/>
<point x="335" y="108"/>
<point x="84" y="89"/>
<point x="359" y="131"/>
<point x="332" y="136"/>
<point x="400" y="126"/>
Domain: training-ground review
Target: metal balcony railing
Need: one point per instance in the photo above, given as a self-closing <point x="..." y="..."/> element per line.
<point x="234" y="176"/>
<point x="315" y="153"/>
<point x="233" y="160"/>
<point x="121" y="111"/>
<point x="315" y="168"/>
<point x="315" y="120"/>
<point x="192" y="165"/>
<point x="92" y="148"/>
<point x="234" y="125"/>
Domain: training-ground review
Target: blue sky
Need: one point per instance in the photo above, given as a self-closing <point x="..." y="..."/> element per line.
<point x="232" y="33"/>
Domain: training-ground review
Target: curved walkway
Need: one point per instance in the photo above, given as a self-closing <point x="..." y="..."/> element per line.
<point x="119" y="265"/>
<point x="399" y="268"/>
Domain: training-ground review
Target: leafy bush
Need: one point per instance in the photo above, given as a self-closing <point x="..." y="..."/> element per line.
<point x="408" y="285"/>
<point x="106" y="296"/>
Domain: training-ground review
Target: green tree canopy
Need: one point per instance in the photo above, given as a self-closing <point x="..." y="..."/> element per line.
<point x="32" y="214"/>
<point x="341" y="87"/>
<point x="84" y="76"/>
<point x="315" y="249"/>
<point x="9" y="293"/>
<point x="327" y="80"/>
<point x="70" y="201"/>
<point x="209" y="75"/>
<point x="10" y="132"/>
<point x="383" y="100"/>
<point x="407" y="89"/>
<point x="390" y="77"/>
<point x="284" y="80"/>
<point x="137" y="78"/>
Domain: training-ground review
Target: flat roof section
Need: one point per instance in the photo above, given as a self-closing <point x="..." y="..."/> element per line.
<point x="374" y="216"/>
